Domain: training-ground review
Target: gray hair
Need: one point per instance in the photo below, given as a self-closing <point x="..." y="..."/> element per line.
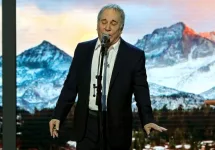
<point x="116" y="8"/>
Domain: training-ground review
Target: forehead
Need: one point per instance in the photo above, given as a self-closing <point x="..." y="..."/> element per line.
<point x="110" y="14"/>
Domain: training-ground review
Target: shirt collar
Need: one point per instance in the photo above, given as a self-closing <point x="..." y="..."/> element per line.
<point x="114" y="46"/>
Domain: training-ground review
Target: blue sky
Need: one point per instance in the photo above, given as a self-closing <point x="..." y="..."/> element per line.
<point x="67" y="22"/>
<point x="195" y="13"/>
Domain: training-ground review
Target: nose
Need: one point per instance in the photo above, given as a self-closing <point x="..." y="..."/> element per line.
<point x="107" y="27"/>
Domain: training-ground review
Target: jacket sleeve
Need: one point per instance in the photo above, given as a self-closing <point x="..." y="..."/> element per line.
<point x="69" y="91"/>
<point x="141" y="91"/>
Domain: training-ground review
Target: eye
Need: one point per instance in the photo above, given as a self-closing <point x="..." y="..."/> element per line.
<point x="104" y="21"/>
<point x="113" y="23"/>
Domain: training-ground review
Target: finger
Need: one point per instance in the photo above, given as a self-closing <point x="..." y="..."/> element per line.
<point x="147" y="129"/>
<point x="55" y="134"/>
<point x="57" y="125"/>
<point x="51" y="127"/>
<point x="157" y="128"/>
<point x="163" y="129"/>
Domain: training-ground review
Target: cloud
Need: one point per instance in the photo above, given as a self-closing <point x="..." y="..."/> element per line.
<point x="64" y="30"/>
<point x="35" y="22"/>
<point x="67" y="23"/>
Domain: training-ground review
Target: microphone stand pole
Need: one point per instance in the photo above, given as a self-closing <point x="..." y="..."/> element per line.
<point x="99" y="99"/>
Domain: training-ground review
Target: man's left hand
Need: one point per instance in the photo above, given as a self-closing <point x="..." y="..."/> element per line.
<point x="150" y="126"/>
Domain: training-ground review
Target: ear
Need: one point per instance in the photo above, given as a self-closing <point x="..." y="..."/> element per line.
<point x="122" y="27"/>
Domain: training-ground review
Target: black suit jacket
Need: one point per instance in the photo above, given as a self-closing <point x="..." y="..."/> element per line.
<point x="128" y="77"/>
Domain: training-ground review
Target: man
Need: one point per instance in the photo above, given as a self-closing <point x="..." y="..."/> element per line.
<point x="125" y="75"/>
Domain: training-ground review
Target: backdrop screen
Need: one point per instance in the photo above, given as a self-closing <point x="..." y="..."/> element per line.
<point x="178" y="38"/>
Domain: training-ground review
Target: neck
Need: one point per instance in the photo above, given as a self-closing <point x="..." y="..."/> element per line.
<point x="115" y="41"/>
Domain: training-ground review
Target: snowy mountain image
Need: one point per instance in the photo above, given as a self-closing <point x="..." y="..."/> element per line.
<point x="171" y="98"/>
<point x="210" y="94"/>
<point x="41" y="72"/>
<point x="180" y="67"/>
<point x="178" y="43"/>
<point x="178" y="57"/>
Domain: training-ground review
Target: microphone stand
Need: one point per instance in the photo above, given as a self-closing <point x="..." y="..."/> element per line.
<point x="99" y="98"/>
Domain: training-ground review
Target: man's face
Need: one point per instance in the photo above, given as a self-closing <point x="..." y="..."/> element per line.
<point x="110" y="23"/>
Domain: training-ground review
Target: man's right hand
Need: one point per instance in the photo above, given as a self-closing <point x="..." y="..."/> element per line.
<point x="54" y="127"/>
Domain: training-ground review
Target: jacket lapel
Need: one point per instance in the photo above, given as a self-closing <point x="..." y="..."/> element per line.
<point x="87" y="69"/>
<point x="89" y="57"/>
<point x="118" y="62"/>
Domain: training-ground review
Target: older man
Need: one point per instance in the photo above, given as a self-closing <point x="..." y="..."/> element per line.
<point x="125" y="75"/>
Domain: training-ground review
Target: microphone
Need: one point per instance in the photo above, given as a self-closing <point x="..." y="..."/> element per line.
<point x="105" y="40"/>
